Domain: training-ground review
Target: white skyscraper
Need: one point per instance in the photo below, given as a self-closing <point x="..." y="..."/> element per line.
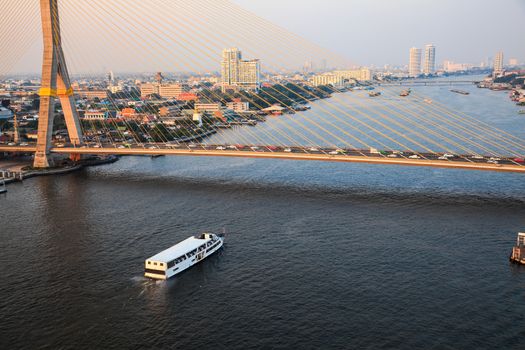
<point x="498" y="63"/>
<point x="237" y="73"/>
<point x="414" y="66"/>
<point x="429" y="65"/>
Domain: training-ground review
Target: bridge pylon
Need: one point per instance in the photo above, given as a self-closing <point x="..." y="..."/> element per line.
<point x="55" y="84"/>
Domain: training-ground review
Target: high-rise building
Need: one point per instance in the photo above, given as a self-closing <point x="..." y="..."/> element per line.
<point x="429" y="65"/>
<point x="414" y="65"/>
<point x="307" y="67"/>
<point x="498" y="63"/>
<point x="110" y="78"/>
<point x="249" y="75"/>
<point x="238" y="73"/>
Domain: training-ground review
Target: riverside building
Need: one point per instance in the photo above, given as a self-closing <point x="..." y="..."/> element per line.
<point x="239" y="74"/>
<point x="429" y="66"/>
<point x="414" y="65"/>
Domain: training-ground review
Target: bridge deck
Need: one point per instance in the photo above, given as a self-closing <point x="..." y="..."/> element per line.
<point x="457" y="163"/>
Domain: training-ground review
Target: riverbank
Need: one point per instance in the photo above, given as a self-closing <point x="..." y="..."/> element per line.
<point x="19" y="170"/>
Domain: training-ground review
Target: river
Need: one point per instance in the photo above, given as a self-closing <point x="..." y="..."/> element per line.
<point x="318" y="255"/>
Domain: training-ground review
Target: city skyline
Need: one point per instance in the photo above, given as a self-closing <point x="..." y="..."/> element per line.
<point x="470" y="31"/>
<point x="470" y="34"/>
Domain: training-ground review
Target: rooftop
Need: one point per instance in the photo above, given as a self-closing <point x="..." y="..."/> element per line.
<point x="178" y="250"/>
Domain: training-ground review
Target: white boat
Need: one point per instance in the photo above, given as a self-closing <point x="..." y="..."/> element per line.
<point x="3" y="189"/>
<point x="182" y="256"/>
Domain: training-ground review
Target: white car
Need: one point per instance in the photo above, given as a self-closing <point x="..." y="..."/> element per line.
<point x="313" y="149"/>
<point x="254" y="148"/>
<point x="287" y="150"/>
<point x="333" y="153"/>
<point x="477" y="157"/>
<point x="443" y="158"/>
<point x="24" y="144"/>
<point x="492" y="161"/>
<point x="96" y="146"/>
<point x="232" y="147"/>
<point x="392" y="155"/>
<point x="448" y="155"/>
<point x="414" y="156"/>
<point x="11" y="144"/>
<point x="495" y="159"/>
<point x="192" y="145"/>
<point x="121" y="147"/>
<point x="153" y="147"/>
<point x="221" y="148"/>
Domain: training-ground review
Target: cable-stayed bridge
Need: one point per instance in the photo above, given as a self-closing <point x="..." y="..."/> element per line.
<point x="387" y="129"/>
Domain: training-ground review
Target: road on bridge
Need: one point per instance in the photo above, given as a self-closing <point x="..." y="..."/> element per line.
<point x="469" y="162"/>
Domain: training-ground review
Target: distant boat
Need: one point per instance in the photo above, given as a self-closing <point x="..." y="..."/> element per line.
<point x="521" y="111"/>
<point x="374" y="94"/>
<point x="460" y="92"/>
<point x="405" y="93"/>
<point x="3" y="189"/>
<point x="518" y="251"/>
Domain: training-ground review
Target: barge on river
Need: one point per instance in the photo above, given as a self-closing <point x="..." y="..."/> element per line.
<point x="182" y="256"/>
<point x="518" y="252"/>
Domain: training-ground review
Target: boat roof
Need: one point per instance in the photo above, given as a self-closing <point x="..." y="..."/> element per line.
<point x="179" y="249"/>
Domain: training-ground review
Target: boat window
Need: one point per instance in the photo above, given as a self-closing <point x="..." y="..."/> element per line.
<point x="156" y="272"/>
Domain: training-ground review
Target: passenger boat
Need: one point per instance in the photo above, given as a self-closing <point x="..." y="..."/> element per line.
<point x="374" y="94"/>
<point x="182" y="256"/>
<point x="518" y="252"/>
<point x="3" y="189"/>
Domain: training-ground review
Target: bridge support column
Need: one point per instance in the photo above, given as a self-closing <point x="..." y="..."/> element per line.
<point x="55" y="84"/>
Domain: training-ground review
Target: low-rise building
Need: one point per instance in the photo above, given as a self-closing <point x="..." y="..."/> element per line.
<point x="363" y="74"/>
<point x="238" y="106"/>
<point x="92" y="94"/>
<point x="169" y="111"/>
<point x="327" y="79"/>
<point x="99" y="115"/>
<point x="207" y="107"/>
<point x="169" y="91"/>
<point x="5" y="113"/>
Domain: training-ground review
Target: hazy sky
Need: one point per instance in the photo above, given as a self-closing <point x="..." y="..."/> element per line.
<point x="181" y="35"/>
<point x="382" y="31"/>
